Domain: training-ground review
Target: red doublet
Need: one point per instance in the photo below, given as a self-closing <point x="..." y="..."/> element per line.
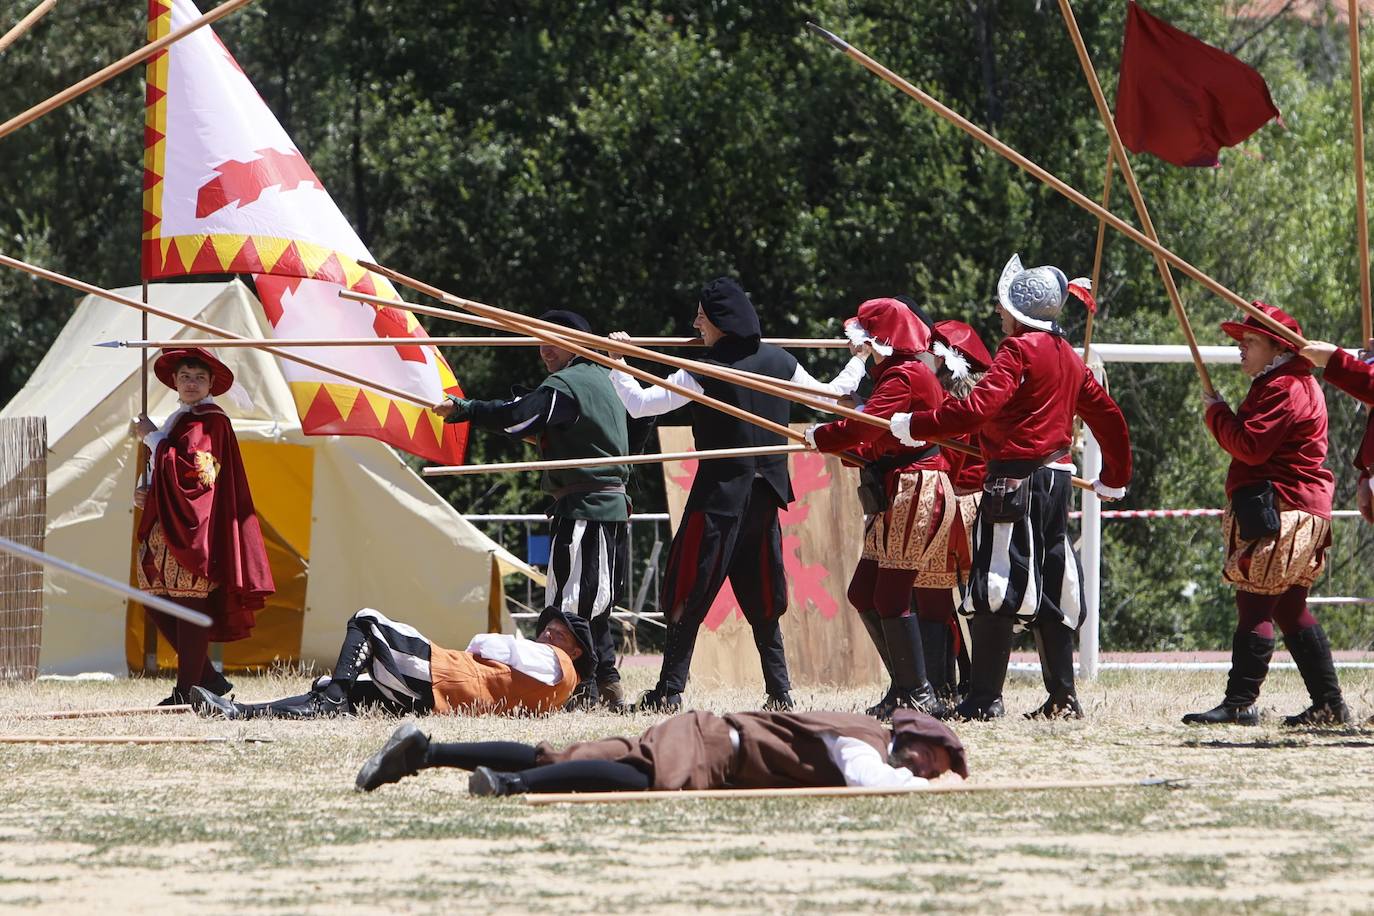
<point x="1023" y="409"/>
<point x="967" y="472"/>
<point x="1357" y="380"/>
<point x="902" y="383"/>
<point x="199" y="495"/>
<point x="1279" y="434"/>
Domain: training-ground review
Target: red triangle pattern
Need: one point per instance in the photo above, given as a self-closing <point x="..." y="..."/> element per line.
<point x="207" y="261"/>
<point x="290" y="263"/>
<point x="247" y="260"/>
<point x="331" y="270"/>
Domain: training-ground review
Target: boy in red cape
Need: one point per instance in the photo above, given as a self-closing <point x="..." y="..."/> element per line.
<point x="199" y="539"/>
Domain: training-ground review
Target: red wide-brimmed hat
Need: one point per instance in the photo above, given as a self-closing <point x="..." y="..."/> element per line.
<point x="165" y="368"/>
<point x="1251" y="325"/>
<point x="962" y="337"/>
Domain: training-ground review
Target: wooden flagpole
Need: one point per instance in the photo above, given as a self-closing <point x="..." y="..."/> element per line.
<point x="23" y="25"/>
<point x="268" y="347"/>
<point x="1055" y="183"/>
<point x="122" y="739"/>
<point x="118" y="67"/>
<point x="1361" y="214"/>
<point x="932" y="788"/>
<point x="459" y="470"/>
<point x="1127" y="173"/>
<point x="1097" y="253"/>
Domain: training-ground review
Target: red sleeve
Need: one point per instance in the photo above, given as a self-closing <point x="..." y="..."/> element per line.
<point x="1254" y="440"/>
<point x="955" y="416"/>
<point x="1351" y="376"/>
<point x="182" y="492"/>
<point x="1108" y="424"/>
<point x="892" y="395"/>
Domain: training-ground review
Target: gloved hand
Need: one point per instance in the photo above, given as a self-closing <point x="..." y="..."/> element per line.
<point x="1106" y="493"/>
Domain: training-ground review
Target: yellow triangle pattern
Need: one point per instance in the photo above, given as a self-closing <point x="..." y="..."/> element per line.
<point x="188" y="246"/>
<point x="227" y="247"/>
<point x="345" y="398"/>
<point x="312" y="256"/>
<point x="270" y="250"/>
<point x="304" y="393"/>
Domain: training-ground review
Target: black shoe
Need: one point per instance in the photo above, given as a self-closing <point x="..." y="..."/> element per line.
<point x="403" y="755"/>
<point x="883" y="708"/>
<point x="1225" y="714"/>
<point x="612" y="697"/>
<point x="781" y="702"/>
<point x="176" y="699"/>
<point x="971" y="711"/>
<point x="657" y="701"/>
<point x="488" y="782"/>
<point x="1338" y="714"/>
<point x="586" y="695"/>
<point x="208" y="703"/>
<point x="1065" y="708"/>
<point x="218" y="684"/>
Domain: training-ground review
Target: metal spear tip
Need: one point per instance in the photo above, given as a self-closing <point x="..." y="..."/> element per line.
<point x="831" y="37"/>
<point x="111" y="343"/>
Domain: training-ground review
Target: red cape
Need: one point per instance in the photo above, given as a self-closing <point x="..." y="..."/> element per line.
<point x="199" y="493"/>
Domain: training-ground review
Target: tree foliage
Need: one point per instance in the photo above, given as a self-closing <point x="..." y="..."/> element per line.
<point x="609" y="157"/>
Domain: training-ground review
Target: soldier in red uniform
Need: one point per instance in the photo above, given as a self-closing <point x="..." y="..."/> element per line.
<point x="1278" y="524"/>
<point x="909" y="505"/>
<point x="694" y="750"/>
<point x="1356" y="378"/>
<point x="1025" y="573"/>
<point x="199" y="538"/>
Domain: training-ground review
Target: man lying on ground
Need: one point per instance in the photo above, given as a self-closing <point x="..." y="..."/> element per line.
<point x="392" y="667"/>
<point x="694" y="750"/>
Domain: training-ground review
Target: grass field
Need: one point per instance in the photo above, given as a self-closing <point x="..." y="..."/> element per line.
<point x="1275" y="821"/>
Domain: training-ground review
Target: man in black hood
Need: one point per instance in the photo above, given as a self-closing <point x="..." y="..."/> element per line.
<point x="729" y="527"/>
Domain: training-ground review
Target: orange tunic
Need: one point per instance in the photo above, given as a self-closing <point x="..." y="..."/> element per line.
<point x="467" y="683"/>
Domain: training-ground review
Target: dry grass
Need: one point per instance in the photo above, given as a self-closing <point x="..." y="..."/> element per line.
<point x="1277" y="822"/>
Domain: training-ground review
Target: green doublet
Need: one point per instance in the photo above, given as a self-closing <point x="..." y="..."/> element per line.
<point x="600" y="430"/>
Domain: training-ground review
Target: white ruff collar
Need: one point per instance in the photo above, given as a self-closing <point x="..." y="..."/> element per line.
<point x="1284" y="357"/>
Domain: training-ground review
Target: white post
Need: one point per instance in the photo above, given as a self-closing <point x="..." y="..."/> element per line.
<point x="1090" y="552"/>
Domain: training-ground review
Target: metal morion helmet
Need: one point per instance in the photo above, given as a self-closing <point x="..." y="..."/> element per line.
<point x="1036" y="296"/>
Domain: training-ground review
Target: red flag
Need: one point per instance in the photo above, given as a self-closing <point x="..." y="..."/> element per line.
<point x="1181" y="98"/>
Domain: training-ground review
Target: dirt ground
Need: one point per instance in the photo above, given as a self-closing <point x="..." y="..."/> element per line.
<point x="1273" y="820"/>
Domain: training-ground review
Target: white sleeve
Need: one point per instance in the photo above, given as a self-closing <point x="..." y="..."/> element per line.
<point x="847" y="382"/>
<point x="862" y="765"/>
<point x="154" y="439"/>
<point x="524" y="655"/>
<point x="652" y="401"/>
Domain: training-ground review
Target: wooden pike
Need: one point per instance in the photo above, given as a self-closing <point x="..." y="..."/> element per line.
<point x="460" y="470"/>
<point x="1097" y="252"/>
<point x="23" y="25"/>
<point x="153" y="602"/>
<point x="124" y="63"/>
<point x="563" y="337"/>
<point x="1119" y="153"/>
<point x="275" y="348"/>
<point x="794" y="342"/>
<point x="124" y="739"/>
<point x="108" y="713"/>
<point x="1055" y="183"/>
<point x="932" y="788"/>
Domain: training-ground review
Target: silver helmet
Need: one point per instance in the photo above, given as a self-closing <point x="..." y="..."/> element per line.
<point x="1034" y="297"/>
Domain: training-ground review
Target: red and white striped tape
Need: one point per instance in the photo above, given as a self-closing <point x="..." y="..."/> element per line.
<point x="1187" y="513"/>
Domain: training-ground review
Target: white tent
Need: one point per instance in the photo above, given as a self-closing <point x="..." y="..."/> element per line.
<point x="348" y="523"/>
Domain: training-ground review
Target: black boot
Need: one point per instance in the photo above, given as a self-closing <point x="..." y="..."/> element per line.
<point x="354" y="656"/>
<point x="935" y="642"/>
<point x="178" y="698"/>
<point x="317" y="704"/>
<point x="489" y="782"/>
<point x="659" y="700"/>
<point x="1250" y="656"/>
<point x="912" y="689"/>
<point x="989" y="654"/>
<point x="404" y="754"/>
<point x="773" y="660"/>
<point x="207" y="703"/>
<point x="874" y="625"/>
<point x="1054" y="645"/>
<point x="1312" y="654"/>
<point x="217" y="683"/>
<point x="611" y="695"/>
<point x="779" y="702"/>
<point x="963" y="664"/>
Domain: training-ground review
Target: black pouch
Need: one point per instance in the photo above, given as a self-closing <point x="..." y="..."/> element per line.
<point x="1256" y="511"/>
<point x="1006" y="499"/>
<point x="872" y="489"/>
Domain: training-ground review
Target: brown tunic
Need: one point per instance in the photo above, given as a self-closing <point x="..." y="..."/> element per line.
<point x="693" y="750"/>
